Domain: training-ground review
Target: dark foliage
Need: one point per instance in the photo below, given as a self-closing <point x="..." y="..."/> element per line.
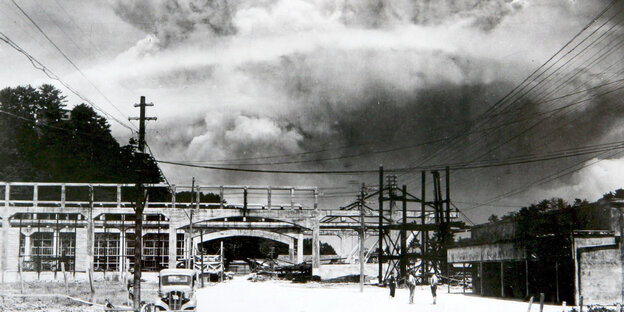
<point x="326" y="249"/>
<point x="39" y="144"/>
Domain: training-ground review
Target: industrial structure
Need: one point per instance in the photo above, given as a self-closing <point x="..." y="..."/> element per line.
<point x="573" y="254"/>
<point x="90" y="227"/>
<point x="86" y="228"/>
<point x="413" y="236"/>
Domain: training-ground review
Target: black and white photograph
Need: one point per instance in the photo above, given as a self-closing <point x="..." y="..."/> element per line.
<point x="312" y="155"/>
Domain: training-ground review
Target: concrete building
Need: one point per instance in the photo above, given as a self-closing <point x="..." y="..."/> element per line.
<point x="569" y="254"/>
<point x="48" y="227"/>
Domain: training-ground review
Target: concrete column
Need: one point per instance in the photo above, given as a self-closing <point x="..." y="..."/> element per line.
<point x="82" y="262"/>
<point x="55" y="237"/>
<point x="122" y="252"/>
<point x="342" y="235"/>
<point x="300" y="248"/>
<point x="291" y="250"/>
<point x="481" y="278"/>
<point x="27" y="247"/>
<point x="173" y="242"/>
<point x="11" y="245"/>
<point x="173" y="232"/>
<point x="35" y="195"/>
<point x="502" y="278"/>
<point x="316" y="248"/>
<point x="90" y="231"/>
<point x="5" y="229"/>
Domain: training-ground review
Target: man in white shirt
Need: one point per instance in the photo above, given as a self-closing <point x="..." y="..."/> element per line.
<point x="433" y="281"/>
<point x="411" y="285"/>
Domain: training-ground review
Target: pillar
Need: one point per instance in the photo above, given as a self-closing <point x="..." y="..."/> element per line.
<point x="502" y="278"/>
<point x="173" y="243"/>
<point x="55" y="237"/>
<point x="173" y="233"/>
<point x="481" y="278"/>
<point x="269" y="198"/>
<point x="82" y="261"/>
<point x="300" y="248"/>
<point x="5" y="229"/>
<point x="316" y="252"/>
<point x="27" y="245"/>
<point x="122" y="246"/>
<point x="90" y="231"/>
<point x="291" y="250"/>
<point x="341" y="236"/>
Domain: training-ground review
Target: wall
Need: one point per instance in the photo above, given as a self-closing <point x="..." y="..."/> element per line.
<point x="486" y="252"/>
<point x="600" y="275"/>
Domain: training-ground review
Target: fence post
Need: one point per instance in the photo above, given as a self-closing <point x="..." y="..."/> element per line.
<point x="530" y="304"/>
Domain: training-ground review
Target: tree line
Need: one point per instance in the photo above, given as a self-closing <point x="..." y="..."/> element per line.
<point x="43" y="141"/>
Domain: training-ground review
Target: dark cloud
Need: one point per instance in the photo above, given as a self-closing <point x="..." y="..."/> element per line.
<point x="362" y="95"/>
<point x="172" y="21"/>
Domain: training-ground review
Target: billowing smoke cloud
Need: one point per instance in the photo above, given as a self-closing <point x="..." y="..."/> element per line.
<point x="174" y="21"/>
<point x="255" y="78"/>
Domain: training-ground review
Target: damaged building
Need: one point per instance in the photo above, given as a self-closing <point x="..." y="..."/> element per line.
<point x="572" y="254"/>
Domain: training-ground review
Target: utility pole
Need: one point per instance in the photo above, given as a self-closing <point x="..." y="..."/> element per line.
<point x="362" y="237"/>
<point x="140" y="205"/>
<point x="189" y="262"/>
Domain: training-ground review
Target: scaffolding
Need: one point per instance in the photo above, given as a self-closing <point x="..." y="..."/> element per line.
<point x="412" y="233"/>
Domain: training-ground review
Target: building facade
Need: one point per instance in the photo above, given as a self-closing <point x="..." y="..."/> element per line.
<point x="569" y="254"/>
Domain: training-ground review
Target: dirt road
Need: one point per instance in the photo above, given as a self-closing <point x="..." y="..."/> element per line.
<point x="270" y="296"/>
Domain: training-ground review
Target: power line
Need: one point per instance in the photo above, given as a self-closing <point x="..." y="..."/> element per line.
<point x="38" y="65"/>
<point x="67" y="58"/>
<point x="574" y="152"/>
<point x="552" y="177"/>
<point x="525" y="83"/>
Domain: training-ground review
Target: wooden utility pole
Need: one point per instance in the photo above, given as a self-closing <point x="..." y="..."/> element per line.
<point x="189" y="262"/>
<point x="380" y="228"/>
<point x="362" y="238"/>
<point x="140" y="205"/>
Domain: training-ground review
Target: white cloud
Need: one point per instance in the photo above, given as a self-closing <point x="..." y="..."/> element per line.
<point x="603" y="176"/>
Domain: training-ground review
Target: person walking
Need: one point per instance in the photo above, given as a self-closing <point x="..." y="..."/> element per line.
<point x="392" y="285"/>
<point x="411" y="285"/>
<point x="433" y="282"/>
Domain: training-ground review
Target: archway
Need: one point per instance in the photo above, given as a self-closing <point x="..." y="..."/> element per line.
<point x="250" y="243"/>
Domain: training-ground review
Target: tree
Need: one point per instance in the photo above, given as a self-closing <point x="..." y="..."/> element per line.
<point x="38" y="145"/>
<point x="28" y="114"/>
<point x="493" y="218"/>
<point x="326" y="249"/>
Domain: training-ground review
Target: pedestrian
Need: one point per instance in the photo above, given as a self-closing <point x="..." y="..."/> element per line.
<point x="392" y="285"/>
<point x="411" y="285"/>
<point x="130" y="284"/>
<point x="433" y="281"/>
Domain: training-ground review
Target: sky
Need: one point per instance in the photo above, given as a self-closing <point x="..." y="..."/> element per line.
<point x="320" y="85"/>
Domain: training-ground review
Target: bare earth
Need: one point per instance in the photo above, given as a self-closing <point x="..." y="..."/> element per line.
<point x="242" y="295"/>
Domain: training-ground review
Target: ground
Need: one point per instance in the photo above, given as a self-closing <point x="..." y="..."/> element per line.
<point x="242" y="295"/>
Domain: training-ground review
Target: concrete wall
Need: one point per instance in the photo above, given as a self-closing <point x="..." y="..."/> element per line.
<point x="600" y="275"/>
